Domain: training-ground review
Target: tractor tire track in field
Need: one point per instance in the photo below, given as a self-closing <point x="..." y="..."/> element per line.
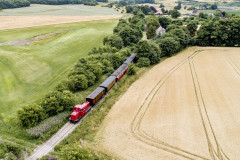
<point x="232" y="64"/>
<point x="214" y="148"/>
<point x="138" y="133"/>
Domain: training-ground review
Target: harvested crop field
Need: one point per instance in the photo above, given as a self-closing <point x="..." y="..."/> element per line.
<point x="12" y="22"/>
<point x="186" y="107"/>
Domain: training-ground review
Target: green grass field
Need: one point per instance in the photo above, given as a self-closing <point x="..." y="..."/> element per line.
<point x="38" y="9"/>
<point x="29" y="72"/>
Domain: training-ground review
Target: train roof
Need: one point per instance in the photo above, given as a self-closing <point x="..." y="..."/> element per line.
<point x="120" y="70"/>
<point x="81" y="106"/>
<point x="95" y="93"/>
<point x="130" y="59"/>
<point x="108" y="81"/>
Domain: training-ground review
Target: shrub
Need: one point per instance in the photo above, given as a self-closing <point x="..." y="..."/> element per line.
<point x="169" y="46"/>
<point x="75" y="152"/>
<point x="56" y="102"/>
<point x="143" y="62"/>
<point x="47" y="124"/>
<point x="117" y="60"/>
<point x="131" y="69"/>
<point x="77" y="82"/>
<point x="30" y="115"/>
<point x="113" y="41"/>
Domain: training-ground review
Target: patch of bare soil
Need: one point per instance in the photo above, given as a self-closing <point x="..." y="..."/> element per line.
<point x="11" y="22"/>
<point x="186" y="107"/>
<point x="28" y="41"/>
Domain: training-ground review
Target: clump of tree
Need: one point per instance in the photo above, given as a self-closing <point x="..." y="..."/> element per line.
<point x="223" y="32"/>
<point x="152" y="24"/>
<point x="179" y="6"/>
<point x="30" y="115"/>
<point x="164" y="21"/>
<point x="175" y="13"/>
<point x="5" y="4"/>
<point x="61" y="2"/>
<point x="148" y="50"/>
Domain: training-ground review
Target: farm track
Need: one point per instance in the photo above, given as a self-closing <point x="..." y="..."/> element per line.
<point x="216" y="152"/>
<point x="232" y="64"/>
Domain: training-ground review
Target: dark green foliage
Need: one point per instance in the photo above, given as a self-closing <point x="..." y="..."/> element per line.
<point x="202" y="15"/>
<point x="151" y="33"/>
<point x="131" y="69"/>
<point x="169" y="46"/>
<point x="171" y="26"/>
<point x="214" y="7"/>
<point x="77" y="82"/>
<point x="30" y="115"/>
<point x="130" y="35"/>
<point x="178" y="22"/>
<point x="75" y="152"/>
<point x="143" y="62"/>
<point x="175" y="13"/>
<point x="117" y="59"/>
<point x="4" y="4"/>
<point x="12" y="148"/>
<point x="161" y="5"/>
<point x="61" y="2"/>
<point x="192" y="27"/>
<point x="148" y="50"/>
<point x="164" y="21"/>
<point x="224" y="32"/>
<point x="134" y="9"/>
<point x="56" y="102"/>
<point x="152" y="21"/>
<point x="182" y="35"/>
<point x="179" y="6"/>
<point x="113" y="41"/>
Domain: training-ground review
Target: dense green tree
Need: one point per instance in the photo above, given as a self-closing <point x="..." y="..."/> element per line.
<point x="113" y="41"/>
<point x="202" y="15"/>
<point x="192" y="27"/>
<point x="117" y="60"/>
<point x="77" y="82"/>
<point x="164" y="21"/>
<point x="161" y="5"/>
<point x="131" y="69"/>
<point x="182" y="35"/>
<point x="214" y="7"/>
<point x="175" y="13"/>
<point x="55" y="102"/>
<point x="130" y="35"/>
<point x="143" y="62"/>
<point x="178" y="7"/>
<point x="5" y="4"/>
<point x="151" y="33"/>
<point x="169" y="46"/>
<point x="152" y="21"/>
<point x="75" y="152"/>
<point x="148" y="50"/>
<point x="30" y="115"/>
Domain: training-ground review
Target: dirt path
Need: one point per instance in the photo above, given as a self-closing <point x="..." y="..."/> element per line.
<point x="187" y="107"/>
<point x="12" y="22"/>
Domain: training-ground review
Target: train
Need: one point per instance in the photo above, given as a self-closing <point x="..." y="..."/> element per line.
<point x="93" y="98"/>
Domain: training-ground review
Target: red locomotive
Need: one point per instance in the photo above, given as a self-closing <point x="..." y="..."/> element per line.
<point x="81" y="109"/>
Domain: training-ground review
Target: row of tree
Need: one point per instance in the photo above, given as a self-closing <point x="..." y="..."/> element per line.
<point x="4" y="4"/>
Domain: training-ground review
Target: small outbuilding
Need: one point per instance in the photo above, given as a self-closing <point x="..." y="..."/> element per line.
<point x="160" y="31"/>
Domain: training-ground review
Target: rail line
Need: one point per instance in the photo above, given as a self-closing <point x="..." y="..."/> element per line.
<point x="144" y="137"/>
<point x="49" y="145"/>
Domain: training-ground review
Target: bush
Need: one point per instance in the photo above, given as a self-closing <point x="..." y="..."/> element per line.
<point x="56" y="102"/>
<point x="75" y="152"/>
<point x="47" y="124"/>
<point x="169" y="46"/>
<point x="77" y="82"/>
<point x="30" y="115"/>
<point x="143" y="62"/>
<point x="117" y="60"/>
<point x="113" y="41"/>
<point x="131" y="69"/>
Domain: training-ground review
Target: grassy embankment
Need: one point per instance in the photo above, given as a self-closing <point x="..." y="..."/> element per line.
<point x="29" y="72"/>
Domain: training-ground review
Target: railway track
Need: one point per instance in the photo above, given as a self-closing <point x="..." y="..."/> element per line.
<point x="49" y="145"/>
<point x="216" y="153"/>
